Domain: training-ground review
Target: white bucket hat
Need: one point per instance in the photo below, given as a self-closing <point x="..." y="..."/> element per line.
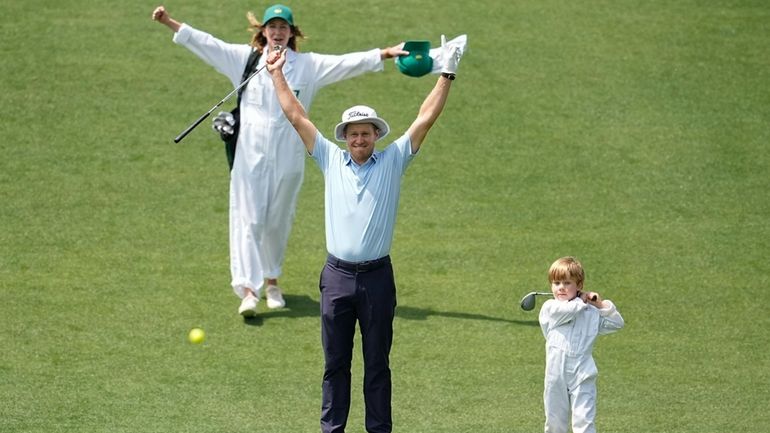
<point x="361" y="114"/>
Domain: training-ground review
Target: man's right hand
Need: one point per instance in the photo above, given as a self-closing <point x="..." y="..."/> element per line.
<point x="275" y="60"/>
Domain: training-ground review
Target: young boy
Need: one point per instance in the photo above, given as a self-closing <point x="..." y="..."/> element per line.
<point x="570" y="323"/>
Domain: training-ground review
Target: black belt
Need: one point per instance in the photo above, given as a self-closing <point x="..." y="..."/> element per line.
<point x="366" y="266"/>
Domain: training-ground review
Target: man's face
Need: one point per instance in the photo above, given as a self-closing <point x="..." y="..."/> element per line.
<point x="277" y="32"/>
<point x="565" y="289"/>
<point x="360" y="138"/>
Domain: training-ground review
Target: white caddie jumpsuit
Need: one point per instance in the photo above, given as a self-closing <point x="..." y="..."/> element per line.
<point x="570" y="330"/>
<point x="270" y="158"/>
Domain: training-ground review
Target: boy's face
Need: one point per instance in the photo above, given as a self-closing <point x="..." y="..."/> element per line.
<point x="565" y="289"/>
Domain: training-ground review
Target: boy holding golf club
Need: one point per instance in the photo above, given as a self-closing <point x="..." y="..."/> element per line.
<point x="570" y="323"/>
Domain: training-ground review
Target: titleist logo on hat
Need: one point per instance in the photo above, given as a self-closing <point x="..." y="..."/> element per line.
<point x="352" y="114"/>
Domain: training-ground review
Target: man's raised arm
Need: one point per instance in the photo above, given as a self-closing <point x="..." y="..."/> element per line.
<point x="293" y="110"/>
<point x="434" y="103"/>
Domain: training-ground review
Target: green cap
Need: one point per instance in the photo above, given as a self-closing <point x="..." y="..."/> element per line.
<point x="278" y="11"/>
<point x="418" y="62"/>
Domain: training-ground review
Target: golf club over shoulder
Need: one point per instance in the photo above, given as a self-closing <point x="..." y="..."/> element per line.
<point x="528" y="301"/>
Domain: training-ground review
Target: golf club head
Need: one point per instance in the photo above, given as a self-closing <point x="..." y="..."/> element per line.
<point x="528" y="301"/>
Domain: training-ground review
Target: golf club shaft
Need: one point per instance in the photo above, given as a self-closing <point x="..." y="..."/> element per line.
<point x="208" y="113"/>
<point x="593" y="298"/>
<point x="189" y="129"/>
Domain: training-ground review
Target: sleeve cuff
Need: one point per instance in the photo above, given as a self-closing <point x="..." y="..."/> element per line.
<point x="376" y="54"/>
<point x="607" y="310"/>
<point x="183" y="35"/>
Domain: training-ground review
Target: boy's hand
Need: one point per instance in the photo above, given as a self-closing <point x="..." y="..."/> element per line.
<point x="592" y="298"/>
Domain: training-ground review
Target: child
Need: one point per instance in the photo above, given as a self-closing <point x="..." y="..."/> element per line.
<point x="570" y="323"/>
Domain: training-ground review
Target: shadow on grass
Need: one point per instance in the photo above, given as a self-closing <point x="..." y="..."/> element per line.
<point x="412" y="313"/>
<point x="296" y="306"/>
<point x="303" y="306"/>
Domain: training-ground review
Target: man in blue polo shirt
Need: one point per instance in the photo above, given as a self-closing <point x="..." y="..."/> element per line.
<point x="362" y="189"/>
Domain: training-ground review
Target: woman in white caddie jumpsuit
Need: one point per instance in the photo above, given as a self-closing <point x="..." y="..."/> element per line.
<point x="270" y="158"/>
<point x="570" y="323"/>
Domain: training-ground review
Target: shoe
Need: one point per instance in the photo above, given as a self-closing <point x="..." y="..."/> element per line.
<point x="248" y="306"/>
<point x="274" y="297"/>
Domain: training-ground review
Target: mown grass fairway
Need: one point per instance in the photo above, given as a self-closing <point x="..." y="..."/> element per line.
<point x="633" y="135"/>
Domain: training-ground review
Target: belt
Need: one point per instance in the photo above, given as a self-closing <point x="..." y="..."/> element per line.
<point x="366" y="266"/>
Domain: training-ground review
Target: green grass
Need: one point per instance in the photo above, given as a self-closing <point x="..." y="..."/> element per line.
<point x="631" y="135"/>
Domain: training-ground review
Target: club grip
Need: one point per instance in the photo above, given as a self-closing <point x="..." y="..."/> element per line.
<point x="191" y="127"/>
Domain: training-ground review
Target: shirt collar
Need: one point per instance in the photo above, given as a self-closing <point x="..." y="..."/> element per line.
<point x="348" y="160"/>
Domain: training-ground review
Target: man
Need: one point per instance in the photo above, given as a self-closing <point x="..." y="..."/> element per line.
<point x="269" y="163"/>
<point x="362" y="189"/>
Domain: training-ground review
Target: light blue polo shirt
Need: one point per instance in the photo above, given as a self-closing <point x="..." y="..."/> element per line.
<point x="361" y="202"/>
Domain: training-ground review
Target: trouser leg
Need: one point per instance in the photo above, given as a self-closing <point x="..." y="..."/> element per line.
<point x="338" y="319"/>
<point x="584" y="407"/>
<point x="377" y="303"/>
<point x="556" y="399"/>
<point x="247" y="216"/>
<point x="277" y="227"/>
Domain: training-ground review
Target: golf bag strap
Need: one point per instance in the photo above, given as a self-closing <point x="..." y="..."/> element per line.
<point x="232" y="141"/>
<point x="251" y="65"/>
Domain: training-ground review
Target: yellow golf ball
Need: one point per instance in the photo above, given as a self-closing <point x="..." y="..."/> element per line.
<point x="196" y="336"/>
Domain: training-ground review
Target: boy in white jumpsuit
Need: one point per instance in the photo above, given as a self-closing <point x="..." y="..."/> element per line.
<point x="270" y="158"/>
<point x="570" y="323"/>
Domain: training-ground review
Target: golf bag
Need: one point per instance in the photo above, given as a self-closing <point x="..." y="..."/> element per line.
<point x="232" y="138"/>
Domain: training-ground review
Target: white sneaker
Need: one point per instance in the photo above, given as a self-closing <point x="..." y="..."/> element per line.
<point x="274" y="297"/>
<point x="248" y="306"/>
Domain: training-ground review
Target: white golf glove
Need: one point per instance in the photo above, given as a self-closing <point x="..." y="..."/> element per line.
<point x="224" y="123"/>
<point x="451" y="54"/>
<point x="441" y="55"/>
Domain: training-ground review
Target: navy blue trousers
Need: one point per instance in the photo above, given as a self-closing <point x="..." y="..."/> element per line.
<point x="363" y="292"/>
